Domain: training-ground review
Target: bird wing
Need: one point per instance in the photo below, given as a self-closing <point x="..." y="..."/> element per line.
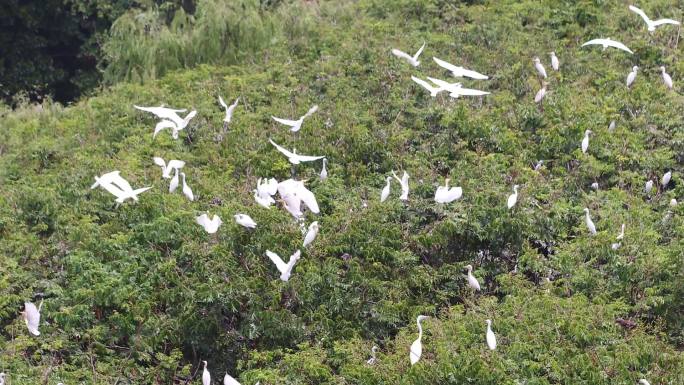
<point x="618" y="45"/>
<point x="275" y="258"/>
<point x="310" y="112"/>
<point x="423" y="84"/>
<point x="293" y="259"/>
<point x="402" y="54"/>
<point x="286" y="122"/>
<point x="444" y="84"/>
<point x="229" y="380"/>
<point x="229" y="111"/>
<point x="473" y="74"/>
<point x="445" y="65"/>
<point x="121" y="183"/>
<point x="281" y="149"/>
<point x="202" y="220"/>
<point x="308" y="158"/>
<point x="162" y="125"/>
<point x="159" y="162"/>
<point x="415" y="57"/>
<point x="308" y="198"/>
<point x="640" y="13"/>
<point x="594" y="42"/>
<point x="175" y="163"/>
<point x="665" y="21"/>
<point x="222" y="102"/>
<point x="469" y="92"/>
<point x="396" y="177"/>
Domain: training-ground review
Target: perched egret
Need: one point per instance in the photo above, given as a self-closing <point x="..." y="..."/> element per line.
<point x="644" y="382"/>
<point x="245" y="220"/>
<point x="413" y="60"/>
<point x="384" y="194"/>
<point x="416" y="349"/>
<point x="555" y="64"/>
<point x="673" y="202"/>
<point x="31" y="315"/>
<point x="284" y="268"/>
<point x="229" y="380"/>
<point x="540" y="67"/>
<point x="433" y="90"/>
<point x="595" y="186"/>
<point x="607" y="43"/>
<point x="666" y="179"/>
<point x="206" y="376"/>
<point x="632" y="76"/>
<point x="324" y="172"/>
<point x="118" y="186"/>
<point x="372" y="360"/>
<point x="404" y="185"/>
<point x="229" y="111"/>
<point x="175" y="181"/>
<point x="513" y="198"/>
<point x="666" y="78"/>
<point x="296" y="125"/>
<point x="293" y="157"/>
<point x="444" y="194"/>
<point x="541" y="93"/>
<point x="585" y="141"/>
<point x="538" y="165"/>
<point x="615" y="245"/>
<point x="209" y="225"/>
<point x="168" y="168"/>
<point x="651" y="23"/>
<point x="311" y="234"/>
<point x="589" y="222"/>
<point x="611" y="126"/>
<point x="491" y="338"/>
<point x="472" y="281"/>
<point x="622" y="232"/>
<point x="459" y="72"/>
<point x="648" y="186"/>
<point x="187" y="191"/>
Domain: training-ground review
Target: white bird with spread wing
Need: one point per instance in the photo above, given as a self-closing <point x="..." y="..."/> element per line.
<point x="444" y="194"/>
<point x="413" y="60"/>
<point x="118" y="186"/>
<point x="608" y="43"/>
<point x="651" y="23"/>
<point x="229" y="380"/>
<point x="229" y="111"/>
<point x="294" y="192"/>
<point x="264" y="192"/>
<point x="296" y="125"/>
<point x="404" y="182"/>
<point x="458" y="71"/>
<point x="431" y="89"/>
<point x="416" y="349"/>
<point x="209" y="225"/>
<point x="170" y="119"/>
<point x="456" y="90"/>
<point x="293" y="157"/>
<point x="168" y="168"/>
<point x="245" y="220"/>
<point x="31" y="316"/>
<point x="284" y="268"/>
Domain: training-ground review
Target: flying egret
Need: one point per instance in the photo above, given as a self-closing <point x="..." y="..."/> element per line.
<point x="555" y="64"/>
<point x="585" y="141"/>
<point x="632" y="76"/>
<point x="589" y="222"/>
<point x="666" y="78"/>
<point x="31" y="316"/>
<point x="541" y="93"/>
<point x="167" y="168"/>
<point x="293" y="157"/>
<point x="293" y="187"/>
<point x="491" y="338"/>
<point x="245" y="221"/>
<point x="513" y="198"/>
<point x="296" y="125"/>
<point x="113" y="183"/>
<point x="324" y="172"/>
<point x="292" y="204"/>
<point x="472" y="281"/>
<point x="622" y="233"/>
<point x="413" y="60"/>
<point x="666" y="179"/>
<point x="206" y="376"/>
<point x="456" y="90"/>
<point x="209" y="225"/>
<point x="372" y="360"/>
<point x="187" y="191"/>
<point x="607" y="43"/>
<point x="433" y="90"/>
<point x="229" y="380"/>
<point x="175" y="181"/>
<point x="284" y="268"/>
<point x="311" y="234"/>
<point x="416" y="349"/>
<point x="459" y="72"/>
<point x="164" y="124"/>
<point x="444" y="194"/>
<point x="643" y="381"/>
<point x="404" y="185"/>
<point x="650" y="23"/>
<point x="540" y="67"/>
<point x="169" y="115"/>
<point x="648" y="186"/>
<point x="229" y="111"/>
<point x="384" y="194"/>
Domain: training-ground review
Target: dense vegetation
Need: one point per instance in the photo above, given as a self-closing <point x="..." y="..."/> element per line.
<point x="141" y="294"/>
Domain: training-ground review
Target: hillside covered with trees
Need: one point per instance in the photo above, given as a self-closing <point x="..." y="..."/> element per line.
<point x="139" y="293"/>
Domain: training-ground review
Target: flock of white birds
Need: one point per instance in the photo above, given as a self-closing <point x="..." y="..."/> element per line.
<point x="293" y="193"/>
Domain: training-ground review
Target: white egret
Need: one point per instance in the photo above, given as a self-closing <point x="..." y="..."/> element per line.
<point x="296" y="125"/>
<point x="175" y="181"/>
<point x="311" y="234"/>
<point x="444" y="194"/>
<point x="324" y="172"/>
<point x="458" y="71"/>
<point x="611" y="126"/>
<point x="209" y="225"/>
<point x="372" y="360"/>
<point x="169" y="115"/>
<point x="2" y="378"/>
<point x="666" y="78"/>
<point x="297" y="188"/>
<point x="267" y="186"/>
<point x="404" y="185"/>
<point x="456" y="90"/>
<point x="229" y="111"/>
<point x="491" y="338"/>
<point x="229" y="380"/>
<point x="632" y="76"/>
<point x="555" y="64"/>
<point x="541" y="93"/>
<point x="413" y="60"/>
<point x="643" y="381"/>
<point x="265" y="201"/>
<point x="161" y="111"/>
<point x="595" y="186"/>
<point x="31" y="316"/>
<point x="622" y="233"/>
<point x="187" y="191"/>
<point x="245" y="221"/>
<point x="648" y="186"/>
<point x="167" y="168"/>
<point x="284" y="268"/>
<point x="651" y="23"/>
<point x="589" y="222"/>
<point x="513" y="198"/>
<point x="665" y="180"/>
<point x="472" y="281"/>
<point x="416" y="349"/>
<point x="118" y="186"/>
<point x="615" y="245"/>
<point x="384" y="194"/>
<point x="206" y="376"/>
<point x="673" y="202"/>
<point x="293" y="204"/>
<point x="293" y="157"/>
<point x="433" y="90"/>
<point x="540" y="67"/>
<point x="607" y="43"/>
<point x="585" y="141"/>
<point x="163" y="125"/>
